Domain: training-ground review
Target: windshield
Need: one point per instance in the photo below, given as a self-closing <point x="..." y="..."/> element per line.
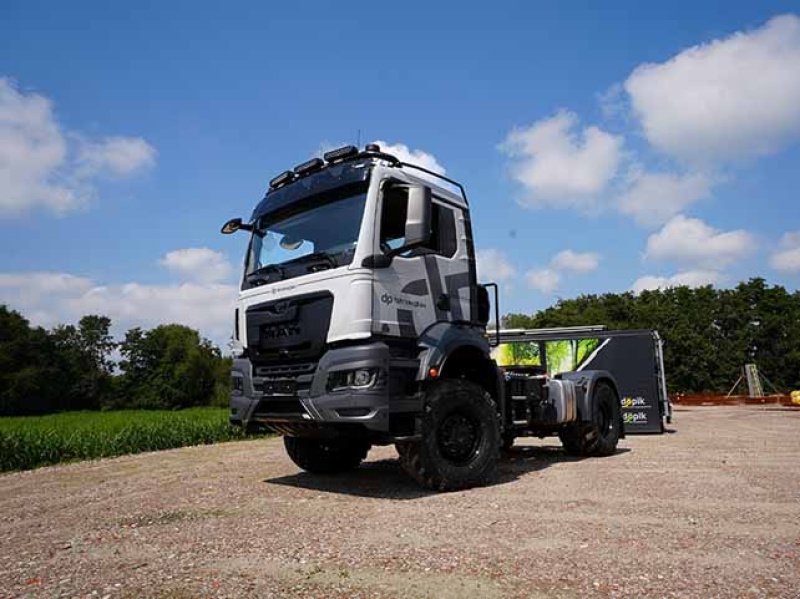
<point x="319" y="235"/>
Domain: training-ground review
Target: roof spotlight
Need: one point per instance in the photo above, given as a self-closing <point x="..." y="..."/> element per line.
<point x="340" y="154"/>
<point x="281" y="179"/>
<point x="309" y="166"/>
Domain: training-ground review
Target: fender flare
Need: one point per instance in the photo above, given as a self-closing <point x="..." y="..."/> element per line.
<point x="586" y="381"/>
<point x="441" y="340"/>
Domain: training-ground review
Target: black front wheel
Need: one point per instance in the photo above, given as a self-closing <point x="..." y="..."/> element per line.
<point x="600" y="436"/>
<point x="460" y="438"/>
<point x="326" y="456"/>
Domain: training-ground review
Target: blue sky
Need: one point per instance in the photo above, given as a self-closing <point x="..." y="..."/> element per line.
<point x="629" y="146"/>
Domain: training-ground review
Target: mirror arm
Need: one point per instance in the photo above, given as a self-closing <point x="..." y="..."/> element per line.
<point x="377" y="261"/>
<point x="235" y="224"/>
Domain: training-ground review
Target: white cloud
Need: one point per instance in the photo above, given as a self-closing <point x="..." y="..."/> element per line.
<point x="201" y="301"/>
<point x="32" y="149"/>
<point x="729" y="98"/>
<point x="560" y="167"/>
<point x="788" y="259"/>
<point x="544" y="280"/>
<point x="653" y="198"/>
<point x="493" y="265"/>
<point x="690" y="278"/>
<point x="38" y="295"/>
<point x="197" y="264"/>
<point x="547" y="280"/>
<point x="206" y="307"/>
<point x="118" y="156"/>
<point x="406" y="154"/>
<point x="791" y="239"/>
<point x="50" y="298"/>
<point x="44" y="166"/>
<point x="575" y="261"/>
<point x="693" y="242"/>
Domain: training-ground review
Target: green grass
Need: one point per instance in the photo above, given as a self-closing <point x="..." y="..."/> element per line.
<point x="31" y="441"/>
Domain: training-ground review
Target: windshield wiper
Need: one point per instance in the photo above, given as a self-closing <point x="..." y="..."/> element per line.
<point x="262" y="275"/>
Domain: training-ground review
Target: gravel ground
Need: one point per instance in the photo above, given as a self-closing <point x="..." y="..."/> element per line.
<point x="710" y="510"/>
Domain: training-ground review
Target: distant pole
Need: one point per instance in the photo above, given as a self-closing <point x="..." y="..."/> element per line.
<point x="358" y="139"/>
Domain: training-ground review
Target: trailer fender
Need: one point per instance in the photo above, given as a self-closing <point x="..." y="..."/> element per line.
<point x="585" y="381"/>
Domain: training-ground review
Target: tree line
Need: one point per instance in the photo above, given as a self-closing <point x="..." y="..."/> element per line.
<point x="708" y="333"/>
<point x="83" y="368"/>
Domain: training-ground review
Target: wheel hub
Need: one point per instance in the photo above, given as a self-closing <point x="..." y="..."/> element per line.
<point x="604" y="423"/>
<point x="458" y="437"/>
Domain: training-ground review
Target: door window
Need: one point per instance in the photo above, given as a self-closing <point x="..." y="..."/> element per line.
<point x="443" y="241"/>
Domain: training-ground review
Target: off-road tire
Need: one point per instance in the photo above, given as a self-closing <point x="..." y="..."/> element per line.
<point x="599" y="437"/>
<point x="460" y="441"/>
<point x="402" y="448"/>
<point x="325" y="456"/>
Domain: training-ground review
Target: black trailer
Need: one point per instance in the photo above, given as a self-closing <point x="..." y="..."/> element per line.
<point x="634" y="357"/>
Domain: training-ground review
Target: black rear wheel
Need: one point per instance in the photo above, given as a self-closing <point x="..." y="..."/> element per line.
<point x="460" y="438"/>
<point x="326" y="456"/>
<point x="600" y="436"/>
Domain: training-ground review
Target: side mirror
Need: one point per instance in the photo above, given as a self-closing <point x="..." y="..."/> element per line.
<point x="417" y="204"/>
<point x="418" y="216"/>
<point x="234" y="225"/>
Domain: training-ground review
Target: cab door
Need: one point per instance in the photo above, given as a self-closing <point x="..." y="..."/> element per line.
<point x="420" y="286"/>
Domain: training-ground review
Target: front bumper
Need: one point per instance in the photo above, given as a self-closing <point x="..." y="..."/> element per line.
<point x="298" y="399"/>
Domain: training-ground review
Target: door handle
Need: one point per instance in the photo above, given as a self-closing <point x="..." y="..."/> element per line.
<point x="443" y="303"/>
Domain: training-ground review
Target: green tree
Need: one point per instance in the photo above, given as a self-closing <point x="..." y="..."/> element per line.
<point x="708" y="333"/>
<point x="170" y="366"/>
<point x="84" y="359"/>
<point x="29" y="375"/>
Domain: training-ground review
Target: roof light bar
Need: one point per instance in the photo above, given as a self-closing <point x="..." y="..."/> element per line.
<point x="340" y="154"/>
<point x="282" y="179"/>
<point x="309" y="166"/>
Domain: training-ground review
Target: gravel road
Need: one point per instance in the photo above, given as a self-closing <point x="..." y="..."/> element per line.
<point x="709" y="510"/>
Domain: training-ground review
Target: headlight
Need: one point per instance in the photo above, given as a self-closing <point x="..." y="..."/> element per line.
<point x="360" y="378"/>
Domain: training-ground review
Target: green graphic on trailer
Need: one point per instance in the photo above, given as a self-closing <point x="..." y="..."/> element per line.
<point x="518" y="354"/>
<point x="568" y="354"/>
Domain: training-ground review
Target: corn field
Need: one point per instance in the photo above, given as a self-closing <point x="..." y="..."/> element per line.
<point x="30" y="441"/>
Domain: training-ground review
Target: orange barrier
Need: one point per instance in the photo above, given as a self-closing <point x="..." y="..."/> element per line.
<point x="710" y="399"/>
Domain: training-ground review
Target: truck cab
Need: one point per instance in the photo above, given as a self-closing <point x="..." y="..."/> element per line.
<point x="360" y="321"/>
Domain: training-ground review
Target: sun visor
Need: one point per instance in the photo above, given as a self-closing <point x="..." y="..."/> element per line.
<point x="337" y="175"/>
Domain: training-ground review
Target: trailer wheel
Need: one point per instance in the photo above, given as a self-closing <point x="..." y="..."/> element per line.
<point x="460" y="438"/>
<point x="599" y="437"/>
<point x="324" y="456"/>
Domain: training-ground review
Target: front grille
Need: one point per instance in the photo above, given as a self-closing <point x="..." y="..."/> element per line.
<point x="284" y="379"/>
<point x="290" y="329"/>
<point x="286" y="370"/>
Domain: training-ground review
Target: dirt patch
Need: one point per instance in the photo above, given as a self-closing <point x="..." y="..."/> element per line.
<point x="711" y="509"/>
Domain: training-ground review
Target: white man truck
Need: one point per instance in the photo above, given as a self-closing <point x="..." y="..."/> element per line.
<point x="360" y="322"/>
